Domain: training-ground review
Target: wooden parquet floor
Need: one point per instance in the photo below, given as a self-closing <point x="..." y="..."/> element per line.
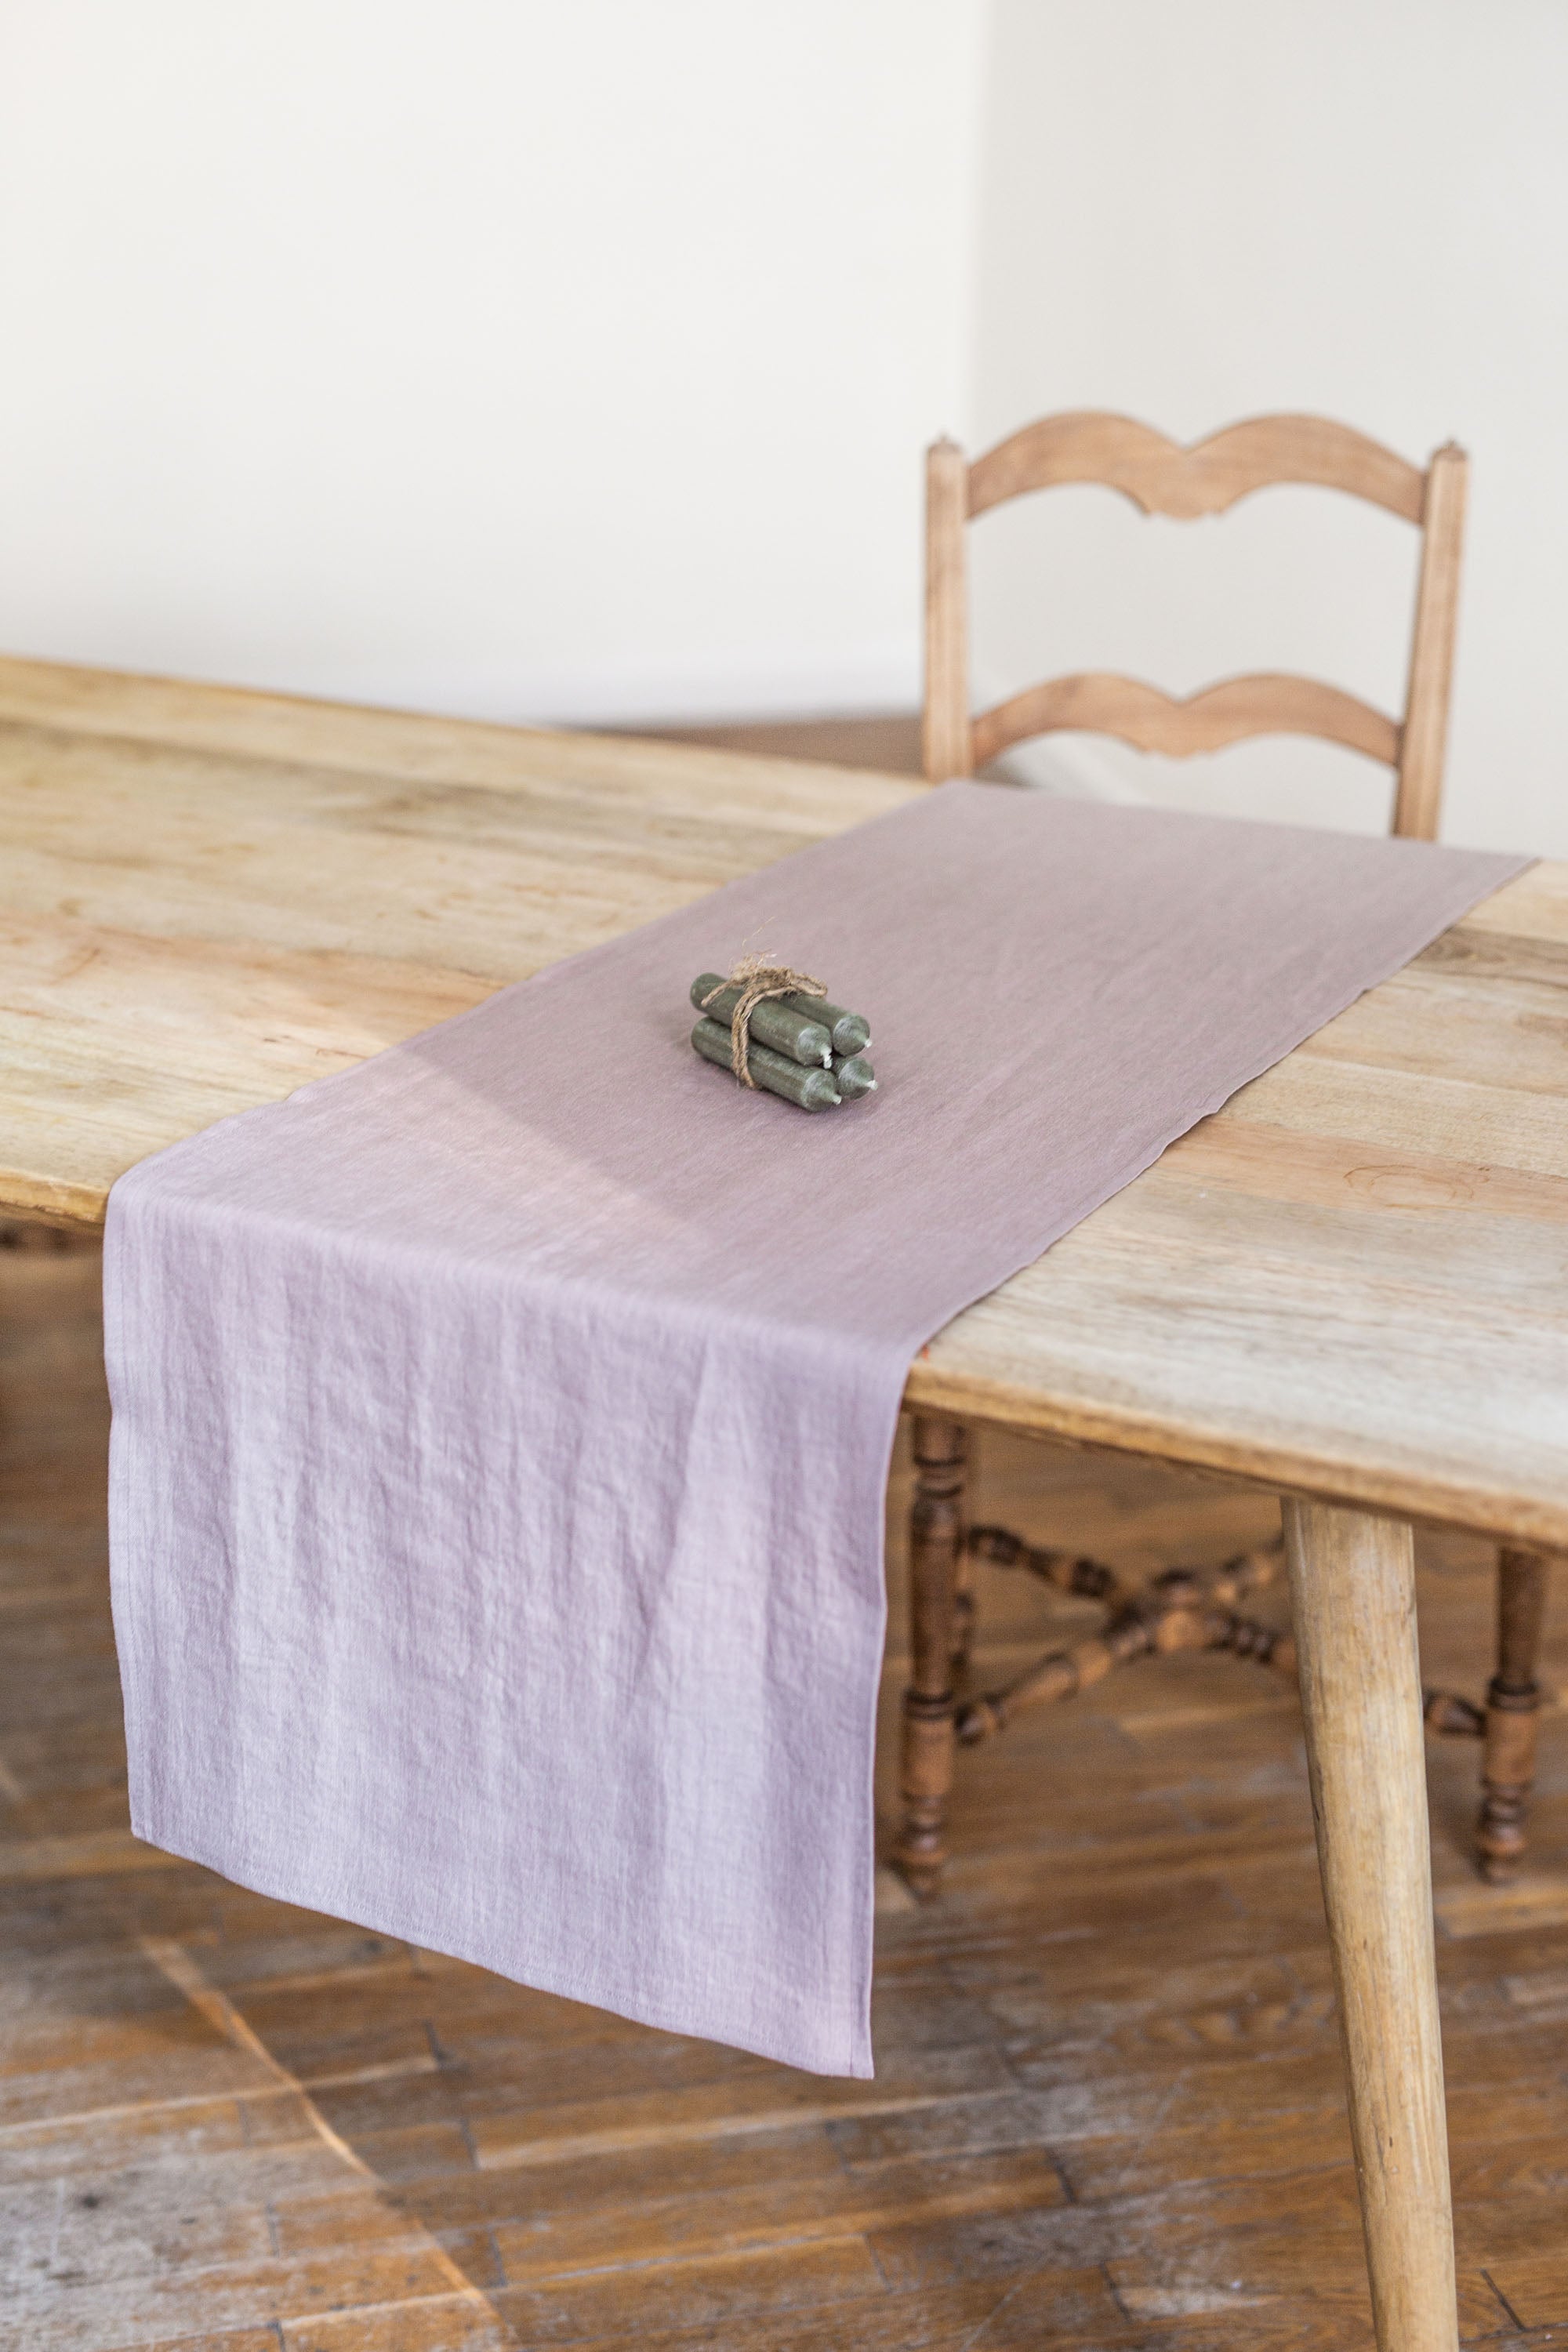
<point x="1107" y="2110"/>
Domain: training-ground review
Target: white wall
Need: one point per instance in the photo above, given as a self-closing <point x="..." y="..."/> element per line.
<point x="515" y="357"/>
<point x="573" y="358"/>
<point x="1193" y="213"/>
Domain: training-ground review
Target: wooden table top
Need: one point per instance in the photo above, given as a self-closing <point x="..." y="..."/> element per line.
<point x="1349" y="1281"/>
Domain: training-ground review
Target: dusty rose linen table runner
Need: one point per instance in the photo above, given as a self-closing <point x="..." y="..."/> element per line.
<point x="500" y="1427"/>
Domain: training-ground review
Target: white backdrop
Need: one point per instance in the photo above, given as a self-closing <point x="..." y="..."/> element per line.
<point x="516" y="357"/>
<point x="537" y="360"/>
<point x="1358" y="206"/>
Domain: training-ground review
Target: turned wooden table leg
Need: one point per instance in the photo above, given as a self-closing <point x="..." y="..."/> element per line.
<point x="936" y="1537"/>
<point x="1513" y="1707"/>
<point x="1354" y="1588"/>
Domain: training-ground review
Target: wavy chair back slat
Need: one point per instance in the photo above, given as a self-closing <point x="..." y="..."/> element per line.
<point x="1162" y="477"/>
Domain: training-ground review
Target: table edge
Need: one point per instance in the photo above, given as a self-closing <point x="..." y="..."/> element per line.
<point x="1504" y="1514"/>
<point x="80" y="1208"/>
<point x="934" y="1388"/>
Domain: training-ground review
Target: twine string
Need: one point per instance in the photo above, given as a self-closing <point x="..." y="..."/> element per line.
<point x="756" y="978"/>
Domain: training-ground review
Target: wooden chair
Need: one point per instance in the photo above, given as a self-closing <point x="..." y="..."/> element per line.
<point x="1183" y="1608"/>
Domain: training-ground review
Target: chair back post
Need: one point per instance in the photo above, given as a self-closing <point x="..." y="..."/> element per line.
<point x="947" y="738"/>
<point x="1425" y="736"/>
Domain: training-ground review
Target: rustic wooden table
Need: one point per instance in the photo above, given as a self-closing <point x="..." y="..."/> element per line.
<point x="1347" y="1285"/>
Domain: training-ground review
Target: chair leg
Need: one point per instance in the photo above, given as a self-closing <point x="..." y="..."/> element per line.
<point x="964" y="1609"/>
<point x="1513" y="1707"/>
<point x="936" y="1542"/>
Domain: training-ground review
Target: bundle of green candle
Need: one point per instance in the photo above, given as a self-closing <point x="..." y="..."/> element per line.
<point x="799" y="1046"/>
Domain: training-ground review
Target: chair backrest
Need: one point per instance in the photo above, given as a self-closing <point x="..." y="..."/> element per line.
<point x="1162" y="477"/>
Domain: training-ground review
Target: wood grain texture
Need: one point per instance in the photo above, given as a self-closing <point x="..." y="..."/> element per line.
<point x="1336" y="1264"/>
<point x="947" y="745"/>
<point x="1101" y="703"/>
<point x="1348" y="1282"/>
<point x="1353" y="1580"/>
<point x="1160" y="476"/>
<point x="209" y="897"/>
<point x="1425" y="736"/>
<point x="1108" y="2114"/>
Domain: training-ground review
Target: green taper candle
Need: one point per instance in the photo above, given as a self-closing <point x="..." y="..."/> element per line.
<point x="850" y="1032"/>
<point x="853" y="1074"/>
<point x="813" y="1089"/>
<point x="800" y="1035"/>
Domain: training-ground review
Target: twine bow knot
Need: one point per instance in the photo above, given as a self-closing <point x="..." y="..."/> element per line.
<point x="756" y="978"/>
